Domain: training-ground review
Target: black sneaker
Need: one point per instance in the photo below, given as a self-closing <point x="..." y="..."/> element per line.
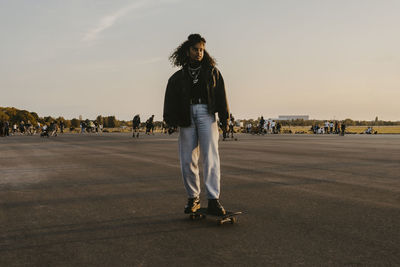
<point x="215" y="207"/>
<point x="193" y="205"/>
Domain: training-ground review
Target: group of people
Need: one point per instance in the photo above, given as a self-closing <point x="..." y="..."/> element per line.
<point x="27" y="128"/>
<point x="329" y="128"/>
<point x="52" y="129"/>
<point x="90" y="127"/>
<point x="264" y="127"/>
<point x="149" y="126"/>
<point x="45" y="129"/>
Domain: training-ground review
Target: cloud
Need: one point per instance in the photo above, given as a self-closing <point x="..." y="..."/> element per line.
<point x="108" y="21"/>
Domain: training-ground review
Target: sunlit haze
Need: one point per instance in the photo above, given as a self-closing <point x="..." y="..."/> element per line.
<point x="332" y="59"/>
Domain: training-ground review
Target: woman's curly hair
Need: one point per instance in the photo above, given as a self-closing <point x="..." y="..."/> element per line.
<point x="180" y="57"/>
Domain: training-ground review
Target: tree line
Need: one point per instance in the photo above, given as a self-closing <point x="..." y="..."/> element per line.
<point x="14" y="115"/>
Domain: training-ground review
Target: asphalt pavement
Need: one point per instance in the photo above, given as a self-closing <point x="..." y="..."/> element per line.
<point x="112" y="200"/>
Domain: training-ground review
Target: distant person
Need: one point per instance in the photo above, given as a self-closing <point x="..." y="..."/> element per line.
<point x="231" y="125"/>
<point x="193" y="95"/>
<point x="62" y="127"/>
<point x="89" y="126"/>
<point x="343" y="126"/>
<point x="164" y="128"/>
<point x="96" y="126"/>
<point x="53" y="128"/>
<point x="268" y="126"/>
<point x="6" y="128"/>
<point x="223" y="129"/>
<point x="152" y="125"/>
<point x="278" y="127"/>
<point x="326" y="127"/>
<point x="1" y="128"/>
<point x="273" y="125"/>
<point x="149" y="125"/>
<point x="171" y="129"/>
<point x="248" y="127"/>
<point x="331" y="127"/>
<point x="45" y="131"/>
<point x="83" y="127"/>
<point x="28" y="128"/>
<point x="22" y="127"/>
<point x="261" y="125"/>
<point x="316" y="129"/>
<point x="135" y="126"/>
<point x="368" y="131"/>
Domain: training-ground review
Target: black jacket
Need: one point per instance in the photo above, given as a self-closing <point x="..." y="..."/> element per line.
<point x="177" y="97"/>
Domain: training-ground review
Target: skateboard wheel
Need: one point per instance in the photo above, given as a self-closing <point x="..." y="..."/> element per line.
<point x="233" y="220"/>
<point x="220" y="222"/>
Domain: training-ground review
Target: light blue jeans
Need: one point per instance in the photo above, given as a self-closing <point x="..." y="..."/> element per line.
<point x="200" y="138"/>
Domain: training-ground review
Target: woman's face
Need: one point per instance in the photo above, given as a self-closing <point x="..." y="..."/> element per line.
<point x="196" y="52"/>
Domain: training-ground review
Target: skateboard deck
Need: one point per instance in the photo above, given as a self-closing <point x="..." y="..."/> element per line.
<point x="230" y="216"/>
<point x="229" y="139"/>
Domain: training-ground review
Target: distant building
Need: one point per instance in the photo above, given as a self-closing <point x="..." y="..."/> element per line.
<point x="293" y="117"/>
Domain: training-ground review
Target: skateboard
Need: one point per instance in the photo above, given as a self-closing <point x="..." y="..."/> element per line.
<point x="229" y="139"/>
<point x="230" y="216"/>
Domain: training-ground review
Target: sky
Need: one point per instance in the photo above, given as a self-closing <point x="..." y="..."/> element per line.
<point x="331" y="59"/>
